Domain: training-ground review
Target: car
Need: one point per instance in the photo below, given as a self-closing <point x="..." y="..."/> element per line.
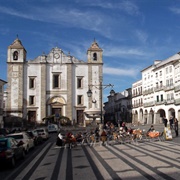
<point x="11" y="150"/>
<point x="25" y="138"/>
<point x="34" y="135"/>
<point x="43" y="132"/>
<point x="52" y="128"/>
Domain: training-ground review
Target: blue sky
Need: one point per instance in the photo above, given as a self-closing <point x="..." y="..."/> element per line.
<point x="132" y="33"/>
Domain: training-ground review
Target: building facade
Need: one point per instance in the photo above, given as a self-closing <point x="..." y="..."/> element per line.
<point x="157" y="94"/>
<point x="2" y="104"/>
<point x="118" y="107"/>
<point x="53" y="83"/>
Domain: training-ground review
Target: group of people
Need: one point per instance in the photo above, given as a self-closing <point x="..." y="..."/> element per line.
<point x="173" y="122"/>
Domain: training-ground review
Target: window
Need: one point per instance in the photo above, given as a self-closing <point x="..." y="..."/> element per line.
<point x="15" y="55"/>
<point x="31" y="83"/>
<point x="56" y="81"/>
<point x="79" y="82"/>
<point x="170" y="69"/>
<point x="79" y="99"/>
<point x="157" y="98"/>
<point x="31" y="100"/>
<point x="167" y="82"/>
<point x="172" y="96"/>
<point x="157" y="85"/>
<point x="166" y="70"/>
<point x="160" y="73"/>
<point x="171" y="82"/>
<point x="161" y="84"/>
<point x="95" y="56"/>
<point x="161" y="97"/>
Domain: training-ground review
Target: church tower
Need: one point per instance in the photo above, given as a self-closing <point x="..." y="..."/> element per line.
<point x="16" y="58"/>
<point x="94" y="53"/>
<point x="95" y="72"/>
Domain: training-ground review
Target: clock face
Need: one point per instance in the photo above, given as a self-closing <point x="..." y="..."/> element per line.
<point x="56" y="55"/>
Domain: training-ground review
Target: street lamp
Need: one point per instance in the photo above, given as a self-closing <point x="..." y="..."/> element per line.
<point x="101" y="87"/>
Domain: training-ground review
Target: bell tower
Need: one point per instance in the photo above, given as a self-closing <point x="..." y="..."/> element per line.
<point x="16" y="57"/>
<point x="95" y="72"/>
<point x="94" y="53"/>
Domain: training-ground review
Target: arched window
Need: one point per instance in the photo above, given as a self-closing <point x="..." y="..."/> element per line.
<point x="95" y="57"/>
<point x="15" y="55"/>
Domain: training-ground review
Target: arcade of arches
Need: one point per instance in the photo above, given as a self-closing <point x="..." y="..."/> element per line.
<point x="153" y="116"/>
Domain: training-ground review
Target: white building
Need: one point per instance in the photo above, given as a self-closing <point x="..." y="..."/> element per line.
<point x="160" y="94"/>
<point x="2" y="83"/>
<point x="53" y="83"/>
<point x="137" y="100"/>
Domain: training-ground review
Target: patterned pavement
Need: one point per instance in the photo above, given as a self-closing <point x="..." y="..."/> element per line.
<point x="153" y="160"/>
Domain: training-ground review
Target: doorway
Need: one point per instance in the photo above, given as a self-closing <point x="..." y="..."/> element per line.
<point x="80" y="116"/>
<point x="32" y="116"/>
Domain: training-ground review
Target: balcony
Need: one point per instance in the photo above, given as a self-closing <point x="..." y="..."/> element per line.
<point x="177" y="102"/>
<point x="170" y="101"/>
<point x="160" y="102"/>
<point x="148" y="91"/>
<point x="177" y="88"/>
<point x="161" y="88"/>
<point x="137" y="94"/>
<point x="137" y="105"/>
<point x="168" y="88"/>
<point x="148" y="104"/>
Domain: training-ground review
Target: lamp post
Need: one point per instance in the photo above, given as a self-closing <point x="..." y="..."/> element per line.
<point x="100" y="87"/>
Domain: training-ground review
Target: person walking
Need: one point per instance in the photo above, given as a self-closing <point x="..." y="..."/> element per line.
<point x="176" y="126"/>
<point x="165" y="121"/>
<point x="171" y="122"/>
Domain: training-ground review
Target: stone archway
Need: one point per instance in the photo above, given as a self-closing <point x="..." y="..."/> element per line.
<point x="159" y="116"/>
<point x="171" y="112"/>
<point x="57" y="106"/>
<point x="135" y="120"/>
<point x="141" y="120"/>
<point x="151" y="116"/>
<point x="146" y="117"/>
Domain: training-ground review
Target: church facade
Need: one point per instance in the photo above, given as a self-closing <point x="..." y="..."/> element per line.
<point x="51" y="84"/>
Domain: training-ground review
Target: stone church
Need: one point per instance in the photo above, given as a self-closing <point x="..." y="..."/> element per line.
<point x="54" y="83"/>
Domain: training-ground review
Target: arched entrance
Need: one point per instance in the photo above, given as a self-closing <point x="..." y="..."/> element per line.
<point x="151" y="116"/>
<point x="159" y="116"/>
<point x="57" y="105"/>
<point x="141" y="116"/>
<point x="146" y="117"/>
<point x="135" y="120"/>
<point x="171" y="112"/>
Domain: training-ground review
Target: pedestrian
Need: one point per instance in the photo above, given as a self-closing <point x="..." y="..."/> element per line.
<point x="151" y="129"/>
<point x="176" y="126"/>
<point x="171" y="122"/>
<point x="60" y="140"/>
<point x="165" y="121"/>
<point x="124" y="126"/>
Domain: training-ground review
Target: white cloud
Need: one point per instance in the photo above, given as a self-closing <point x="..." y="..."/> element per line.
<point x="175" y="10"/>
<point x="124" y="5"/>
<point x="141" y="35"/>
<point x="123" y="51"/>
